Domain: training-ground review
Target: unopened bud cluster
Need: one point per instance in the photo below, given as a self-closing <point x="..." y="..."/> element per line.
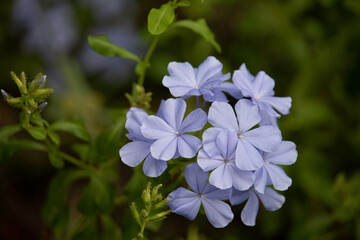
<point x="33" y="94"/>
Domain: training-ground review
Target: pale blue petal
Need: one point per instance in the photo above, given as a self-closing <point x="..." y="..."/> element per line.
<point x="176" y="86"/>
<point x="271" y="200"/>
<point x="226" y="142"/>
<point x="263" y="85"/>
<point x="184" y="202"/>
<point x="134" y="119"/>
<point x="247" y="114"/>
<point x="196" y="177"/>
<point x="160" y="110"/>
<point x="209" y="138"/>
<point x="154" y="167"/>
<point x="181" y="79"/>
<point x="154" y="128"/>
<point x="221" y="177"/>
<point x="247" y="157"/>
<point x="195" y="121"/>
<point x="207" y="69"/>
<point x="218" y="213"/>
<point x="231" y="89"/>
<point x="261" y="179"/>
<point x="267" y="108"/>
<point x="173" y="112"/>
<point x="278" y="177"/>
<point x="249" y="213"/>
<point x="267" y="119"/>
<point x="134" y="153"/>
<point x="281" y="104"/>
<point x="266" y="138"/>
<point x="222" y="115"/>
<point x="164" y="148"/>
<point x="286" y="154"/>
<point x="188" y="145"/>
<point x="208" y="163"/>
<point x="213" y="192"/>
<point x="216" y="95"/>
<point x="242" y="79"/>
<point x="242" y="180"/>
<point x="239" y="197"/>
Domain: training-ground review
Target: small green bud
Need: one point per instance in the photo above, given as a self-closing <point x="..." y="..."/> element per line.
<point x="159" y="216"/>
<point x="135" y="213"/>
<point x="16" y="80"/>
<point x="154" y="192"/>
<point x="161" y="203"/>
<point x="144" y="213"/>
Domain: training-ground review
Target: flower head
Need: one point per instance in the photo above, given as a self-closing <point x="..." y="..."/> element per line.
<point x="187" y="203"/>
<point x="185" y="81"/>
<point x="168" y="133"/>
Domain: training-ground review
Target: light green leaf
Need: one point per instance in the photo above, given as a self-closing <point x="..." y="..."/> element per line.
<point x="55" y="159"/>
<point x="7" y="131"/>
<point x="11" y="147"/>
<point x="160" y="19"/>
<point x="39" y="133"/>
<point x="102" y="45"/>
<point x="75" y="127"/>
<point x="183" y="3"/>
<point x="201" y="28"/>
<point x="54" y="137"/>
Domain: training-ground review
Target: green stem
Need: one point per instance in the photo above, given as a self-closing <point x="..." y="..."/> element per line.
<point x="142" y="228"/>
<point x="77" y="162"/>
<point x="147" y="59"/>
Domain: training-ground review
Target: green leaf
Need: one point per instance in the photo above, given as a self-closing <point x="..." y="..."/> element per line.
<point x="88" y="232"/>
<point x="97" y="197"/>
<point x="54" y="137"/>
<point x="110" y="230"/>
<point x="11" y="147"/>
<point x="109" y="141"/>
<point x="38" y="120"/>
<point x="183" y="3"/>
<point x="75" y="127"/>
<point x="55" y="159"/>
<point x="7" y="131"/>
<point x="201" y="28"/>
<point x="160" y="19"/>
<point x="82" y="150"/>
<point x="39" y="133"/>
<point x="103" y="46"/>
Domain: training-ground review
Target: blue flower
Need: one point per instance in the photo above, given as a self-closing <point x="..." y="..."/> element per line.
<point x="226" y="173"/>
<point x="260" y="90"/>
<point x="168" y="132"/>
<point x="247" y="156"/>
<point x="185" y="81"/>
<point x="271" y="173"/>
<point x="271" y="200"/>
<point x="187" y="203"/>
<point x="133" y="153"/>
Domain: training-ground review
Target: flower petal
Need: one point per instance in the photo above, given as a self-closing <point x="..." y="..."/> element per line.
<point x="211" y="191"/>
<point x="133" y="153"/>
<point x="282" y="104"/>
<point x="188" y="145"/>
<point x="164" y="148"/>
<point x="247" y="157"/>
<point x="208" y="163"/>
<point x="154" y="128"/>
<point x="249" y="213"/>
<point x="239" y="196"/>
<point x="226" y="143"/>
<point x="184" y="202"/>
<point x="261" y="179"/>
<point x="266" y="138"/>
<point x="247" y="114"/>
<point x="207" y="69"/>
<point x="278" y="177"/>
<point x="134" y="119"/>
<point x="181" y="79"/>
<point x="218" y="213"/>
<point x="173" y="111"/>
<point x="263" y="85"/>
<point x="222" y="115"/>
<point x="271" y="200"/>
<point x="286" y="154"/>
<point x="209" y="138"/>
<point x="243" y="79"/>
<point x="221" y="177"/>
<point x="154" y="167"/>
<point x="195" y="121"/>
<point x="242" y="180"/>
<point x="231" y="89"/>
<point x="196" y="177"/>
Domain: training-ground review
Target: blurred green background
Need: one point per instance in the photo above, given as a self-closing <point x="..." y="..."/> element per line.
<point x="310" y="47"/>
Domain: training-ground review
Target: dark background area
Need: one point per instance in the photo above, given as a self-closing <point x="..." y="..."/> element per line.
<point x="310" y="47"/>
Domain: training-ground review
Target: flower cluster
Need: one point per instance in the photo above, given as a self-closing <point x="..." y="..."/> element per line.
<point x="242" y="150"/>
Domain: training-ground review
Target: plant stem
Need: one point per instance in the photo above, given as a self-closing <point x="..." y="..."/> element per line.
<point x="147" y="59"/>
<point x="77" y="162"/>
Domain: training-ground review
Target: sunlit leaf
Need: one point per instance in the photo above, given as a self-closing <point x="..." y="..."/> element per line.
<point x="160" y="18"/>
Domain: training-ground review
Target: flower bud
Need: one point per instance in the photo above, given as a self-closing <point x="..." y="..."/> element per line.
<point x="42" y="105"/>
<point x="41" y="80"/>
<point x="4" y="94"/>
